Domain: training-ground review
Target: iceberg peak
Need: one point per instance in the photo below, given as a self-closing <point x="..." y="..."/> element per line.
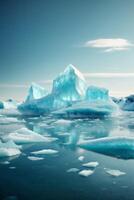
<point x="70" y="85"/>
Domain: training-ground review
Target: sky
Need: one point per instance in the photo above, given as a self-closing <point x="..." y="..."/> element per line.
<point x="38" y="39"/>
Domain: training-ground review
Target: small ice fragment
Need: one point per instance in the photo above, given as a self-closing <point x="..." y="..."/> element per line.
<point x="33" y="158"/>
<point x="45" y="151"/>
<point x="91" y="164"/>
<point x="73" y="170"/>
<point x="81" y="158"/>
<point x="86" y="172"/>
<point x="114" y="172"/>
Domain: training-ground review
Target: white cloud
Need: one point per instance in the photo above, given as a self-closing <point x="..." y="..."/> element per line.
<point x="109" y="75"/>
<point x="113" y="44"/>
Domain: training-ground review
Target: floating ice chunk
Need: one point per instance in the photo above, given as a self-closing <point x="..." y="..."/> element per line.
<point x="25" y="135"/>
<point x="91" y="164"/>
<point x="35" y="92"/>
<point x="86" y="172"/>
<point x="45" y="152"/>
<point x="9" y="149"/>
<point x="33" y="158"/>
<point x="114" y="172"/>
<point x="81" y="158"/>
<point x="73" y="170"/>
<point x="118" y="146"/>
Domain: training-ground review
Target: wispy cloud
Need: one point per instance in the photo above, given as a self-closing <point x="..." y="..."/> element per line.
<point x="109" y="75"/>
<point x="13" y="86"/>
<point x="109" y="45"/>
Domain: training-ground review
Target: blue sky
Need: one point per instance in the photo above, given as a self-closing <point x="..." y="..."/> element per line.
<point x="40" y="38"/>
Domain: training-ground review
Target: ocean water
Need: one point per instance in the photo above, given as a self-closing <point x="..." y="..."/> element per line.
<point x="47" y="179"/>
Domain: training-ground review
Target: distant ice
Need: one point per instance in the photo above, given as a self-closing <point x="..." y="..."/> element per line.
<point x="81" y="158"/>
<point x="91" y="164"/>
<point x="114" y="172"/>
<point x="33" y="158"/>
<point x="73" y="170"/>
<point x="45" y="152"/>
<point x="86" y="172"/>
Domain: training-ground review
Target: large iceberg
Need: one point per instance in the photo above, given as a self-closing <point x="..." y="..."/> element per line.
<point x="119" y="146"/>
<point x="35" y="92"/>
<point x="9" y="148"/>
<point x="1" y="105"/>
<point x="71" y="98"/>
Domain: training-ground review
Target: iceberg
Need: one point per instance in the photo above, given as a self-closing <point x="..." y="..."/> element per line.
<point x="24" y="135"/>
<point x="45" y="152"/>
<point x="35" y="92"/>
<point x="119" y="146"/>
<point x="86" y="172"/>
<point x="114" y="172"/>
<point x="127" y="103"/>
<point x="9" y="148"/>
<point x="91" y="164"/>
<point x="70" y="97"/>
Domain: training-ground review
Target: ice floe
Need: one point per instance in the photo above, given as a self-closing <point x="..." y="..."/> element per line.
<point x="25" y="135"/>
<point x="45" y="152"/>
<point x="90" y="164"/>
<point x="114" y="172"/>
<point x="86" y="172"/>
<point x="33" y="158"/>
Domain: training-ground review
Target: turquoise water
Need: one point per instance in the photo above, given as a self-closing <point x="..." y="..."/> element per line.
<point x="48" y="179"/>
